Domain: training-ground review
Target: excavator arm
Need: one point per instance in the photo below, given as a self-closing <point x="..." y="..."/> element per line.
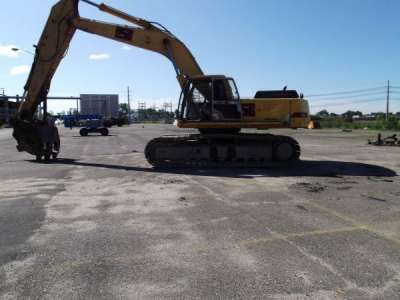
<point x="37" y="136"/>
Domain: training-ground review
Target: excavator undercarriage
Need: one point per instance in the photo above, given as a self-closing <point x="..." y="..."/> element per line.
<point x="243" y="149"/>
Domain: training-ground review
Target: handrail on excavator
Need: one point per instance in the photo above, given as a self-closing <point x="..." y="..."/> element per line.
<point x="120" y="14"/>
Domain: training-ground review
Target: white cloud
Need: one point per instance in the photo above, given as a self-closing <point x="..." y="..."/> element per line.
<point x="100" y="56"/>
<point x="7" y="51"/>
<point x="18" y="70"/>
<point x="126" y="48"/>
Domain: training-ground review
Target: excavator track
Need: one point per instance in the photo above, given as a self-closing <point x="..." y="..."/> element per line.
<point x="236" y="150"/>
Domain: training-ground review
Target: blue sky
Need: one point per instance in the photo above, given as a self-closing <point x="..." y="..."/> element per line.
<point x="314" y="46"/>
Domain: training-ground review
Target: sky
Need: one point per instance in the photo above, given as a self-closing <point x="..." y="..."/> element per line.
<point x="313" y="46"/>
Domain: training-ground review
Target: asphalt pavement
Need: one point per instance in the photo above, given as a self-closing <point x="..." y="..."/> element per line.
<point x="101" y="223"/>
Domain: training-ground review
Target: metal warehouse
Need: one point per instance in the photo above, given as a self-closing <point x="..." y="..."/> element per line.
<point x="99" y="104"/>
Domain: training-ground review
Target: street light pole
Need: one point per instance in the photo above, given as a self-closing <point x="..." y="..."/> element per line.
<point x="23" y="50"/>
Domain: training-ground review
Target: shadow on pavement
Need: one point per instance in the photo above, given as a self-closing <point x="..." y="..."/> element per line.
<point x="94" y="135"/>
<point x="297" y="169"/>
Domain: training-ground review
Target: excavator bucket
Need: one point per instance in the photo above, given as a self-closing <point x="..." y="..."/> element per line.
<point x="39" y="139"/>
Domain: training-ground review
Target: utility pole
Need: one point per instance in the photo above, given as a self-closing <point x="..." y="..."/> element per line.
<point x="3" y="91"/>
<point x="387" y="100"/>
<point x="141" y="111"/>
<point x="129" y="106"/>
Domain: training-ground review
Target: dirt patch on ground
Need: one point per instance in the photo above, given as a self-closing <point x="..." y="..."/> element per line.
<point x="310" y="187"/>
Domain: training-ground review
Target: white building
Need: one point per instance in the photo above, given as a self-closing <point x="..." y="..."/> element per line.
<point x="99" y="104"/>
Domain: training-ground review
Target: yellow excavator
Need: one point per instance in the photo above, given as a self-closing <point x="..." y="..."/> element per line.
<point x="209" y="103"/>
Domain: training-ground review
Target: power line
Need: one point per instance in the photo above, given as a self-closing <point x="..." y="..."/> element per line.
<point x="354" y="101"/>
<point x="348" y="103"/>
<point x="348" y="92"/>
<point x="353" y="96"/>
<point x="351" y="103"/>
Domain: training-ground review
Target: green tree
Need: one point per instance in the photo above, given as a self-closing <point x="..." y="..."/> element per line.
<point x="323" y="114"/>
<point x="123" y="109"/>
<point x="350" y="114"/>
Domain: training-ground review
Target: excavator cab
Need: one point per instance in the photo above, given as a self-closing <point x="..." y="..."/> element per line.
<point x="210" y="99"/>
